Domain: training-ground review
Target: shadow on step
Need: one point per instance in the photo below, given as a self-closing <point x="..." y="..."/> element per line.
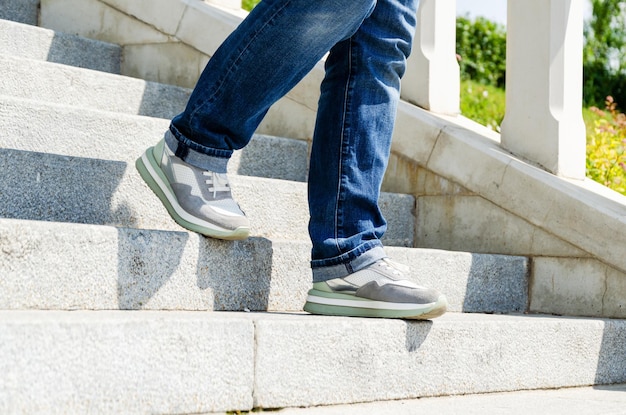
<point x="186" y="271"/>
<point x="49" y="187"/>
<point x="497" y="284"/>
<point x="85" y="53"/>
<point x="612" y="355"/>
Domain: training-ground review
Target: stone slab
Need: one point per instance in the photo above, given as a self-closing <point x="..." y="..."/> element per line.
<point x="577" y="286"/>
<point x="62" y="84"/>
<point x="96" y="20"/>
<point x="124" y="362"/>
<point x="42" y="186"/>
<point x="31" y="42"/>
<point x="341" y="360"/>
<point x="607" y="399"/>
<point x="63" y="266"/>
<point x="473" y="224"/>
<point x="190" y="362"/>
<point x="83" y="132"/>
<point x="22" y="11"/>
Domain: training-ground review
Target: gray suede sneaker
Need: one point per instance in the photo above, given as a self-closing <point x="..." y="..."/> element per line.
<point x="378" y="290"/>
<point x="196" y="199"/>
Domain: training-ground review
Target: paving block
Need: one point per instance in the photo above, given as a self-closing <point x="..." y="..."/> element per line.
<point x="32" y="42"/>
<point x="124" y="362"/>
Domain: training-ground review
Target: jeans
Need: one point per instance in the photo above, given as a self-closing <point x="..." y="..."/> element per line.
<point x="265" y="57"/>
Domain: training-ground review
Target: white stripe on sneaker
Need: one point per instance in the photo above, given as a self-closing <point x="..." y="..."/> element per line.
<point x="364" y="303"/>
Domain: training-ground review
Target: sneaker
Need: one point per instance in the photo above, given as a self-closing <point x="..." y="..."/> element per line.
<point x="197" y="199"/>
<point x="378" y="290"/>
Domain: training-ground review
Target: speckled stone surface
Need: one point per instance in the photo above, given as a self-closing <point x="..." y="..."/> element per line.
<point x="51" y="265"/>
<point x="22" y="11"/>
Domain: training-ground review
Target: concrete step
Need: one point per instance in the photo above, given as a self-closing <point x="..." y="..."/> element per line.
<point x="44" y="186"/>
<point x="606" y="400"/>
<point x="26" y="41"/>
<point x="124" y="363"/>
<point x="22" y="11"/>
<point x="191" y="362"/>
<point x="62" y="84"/>
<point x="82" y="132"/>
<point x="65" y="266"/>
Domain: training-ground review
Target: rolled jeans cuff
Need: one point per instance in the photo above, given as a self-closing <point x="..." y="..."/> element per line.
<point x="197" y="155"/>
<point x="354" y="261"/>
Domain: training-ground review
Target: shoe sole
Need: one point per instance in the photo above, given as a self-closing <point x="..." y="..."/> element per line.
<point x="332" y="304"/>
<point x="154" y="177"/>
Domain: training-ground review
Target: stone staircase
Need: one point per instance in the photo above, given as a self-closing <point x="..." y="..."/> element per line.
<point x="104" y="298"/>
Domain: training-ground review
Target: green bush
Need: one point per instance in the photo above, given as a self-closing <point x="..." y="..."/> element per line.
<point x="481" y="49"/>
<point x="606" y="155"/>
<point x="249" y="4"/>
<point x="604" y="53"/>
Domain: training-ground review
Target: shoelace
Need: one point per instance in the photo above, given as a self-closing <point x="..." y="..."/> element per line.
<point x="218" y="182"/>
<point x="398" y="269"/>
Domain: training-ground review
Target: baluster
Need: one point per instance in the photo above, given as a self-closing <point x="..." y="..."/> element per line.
<point x="543" y="121"/>
<point x="432" y="79"/>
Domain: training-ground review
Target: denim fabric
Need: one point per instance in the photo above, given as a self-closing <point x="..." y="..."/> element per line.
<point x="266" y="56"/>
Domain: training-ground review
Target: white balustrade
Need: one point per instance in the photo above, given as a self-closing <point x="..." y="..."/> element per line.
<point x="543" y="121"/>
<point x="432" y="79"/>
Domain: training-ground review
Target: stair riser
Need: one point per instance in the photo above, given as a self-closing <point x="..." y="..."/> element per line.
<point x="396" y="360"/>
<point x="48" y="187"/>
<point x="124" y="363"/>
<point x="48" y="265"/>
<point x="22" y="11"/>
<point x="31" y="42"/>
<point x="26" y="78"/>
<point x="59" y="129"/>
<point x="113" y="362"/>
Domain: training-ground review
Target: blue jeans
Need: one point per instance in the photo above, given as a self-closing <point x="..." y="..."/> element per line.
<point x="266" y="56"/>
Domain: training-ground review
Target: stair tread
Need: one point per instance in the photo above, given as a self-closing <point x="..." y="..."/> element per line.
<point x="29" y="78"/>
<point x="24" y="40"/>
<point x="44" y="186"/>
<point x="280" y="356"/>
<point x="91" y="133"/>
<point x="566" y="401"/>
<point x="50" y="265"/>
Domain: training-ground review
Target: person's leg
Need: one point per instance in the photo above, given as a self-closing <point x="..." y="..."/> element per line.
<point x="271" y="51"/>
<point x="351" y="146"/>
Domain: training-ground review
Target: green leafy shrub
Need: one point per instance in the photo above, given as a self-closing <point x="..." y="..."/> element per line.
<point x="604" y="53"/>
<point x="606" y="155"/>
<point x="481" y="49"/>
<point x="249" y="4"/>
